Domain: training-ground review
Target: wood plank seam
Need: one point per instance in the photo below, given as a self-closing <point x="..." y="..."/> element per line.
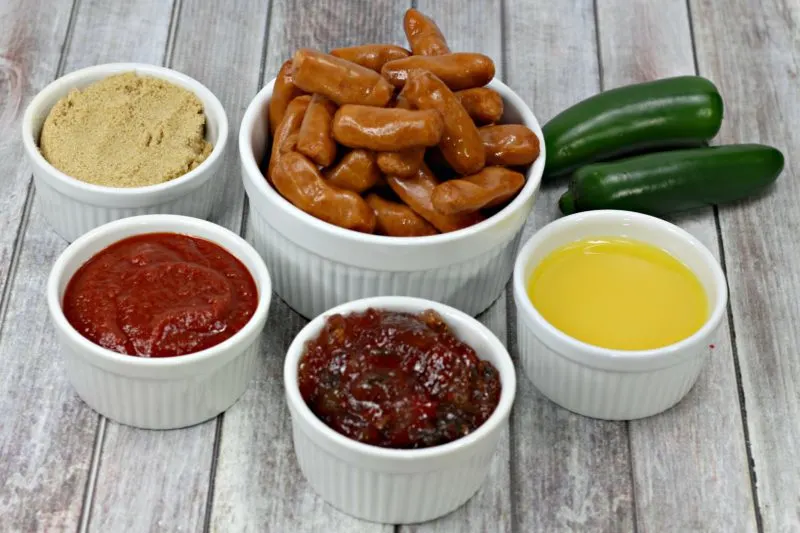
<point x="174" y="23"/>
<point x="242" y="229"/>
<point x="511" y="318"/>
<point x="601" y="84"/>
<point x="27" y="205"/>
<point x="212" y="475"/>
<point x="731" y="327"/>
<point x="751" y="464"/>
<point x="97" y="449"/>
<point x="91" y="478"/>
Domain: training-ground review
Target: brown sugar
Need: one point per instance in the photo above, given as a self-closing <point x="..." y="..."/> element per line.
<point x="126" y="131"/>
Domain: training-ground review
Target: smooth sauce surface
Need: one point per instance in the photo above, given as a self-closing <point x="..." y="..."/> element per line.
<point x="618" y="293"/>
<point x="160" y="295"/>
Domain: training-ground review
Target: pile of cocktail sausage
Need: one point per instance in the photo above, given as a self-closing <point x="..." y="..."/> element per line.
<point x="379" y="139"/>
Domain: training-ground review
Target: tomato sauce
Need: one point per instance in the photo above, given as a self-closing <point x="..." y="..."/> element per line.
<point x="397" y="380"/>
<point x="160" y="295"/>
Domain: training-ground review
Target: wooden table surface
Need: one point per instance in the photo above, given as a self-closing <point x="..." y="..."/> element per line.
<point x="726" y="459"/>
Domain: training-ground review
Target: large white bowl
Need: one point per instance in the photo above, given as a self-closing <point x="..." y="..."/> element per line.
<point x="614" y="384"/>
<point x="397" y="486"/>
<point x="158" y="393"/>
<point x="73" y="207"/>
<point x="317" y="265"/>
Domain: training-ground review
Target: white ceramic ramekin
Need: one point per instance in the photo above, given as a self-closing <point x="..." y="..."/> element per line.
<point x="73" y="207"/>
<point x="614" y="384"/>
<point x="158" y="393"/>
<point x="317" y="265"/>
<point x="397" y="486"/>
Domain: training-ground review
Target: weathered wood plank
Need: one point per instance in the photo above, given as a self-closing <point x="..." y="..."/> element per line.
<point x="476" y="27"/>
<point x="569" y="473"/>
<point x="752" y="50"/>
<point x="56" y="421"/>
<point x="32" y="34"/>
<point x="258" y="484"/>
<point x="215" y="45"/>
<point x="46" y="431"/>
<point x="674" y="468"/>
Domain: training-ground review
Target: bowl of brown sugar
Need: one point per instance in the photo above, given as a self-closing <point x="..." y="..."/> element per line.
<point x="124" y="139"/>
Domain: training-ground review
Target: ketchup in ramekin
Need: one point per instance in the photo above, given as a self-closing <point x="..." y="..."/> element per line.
<point x="396" y="380"/>
<point x="160" y="295"/>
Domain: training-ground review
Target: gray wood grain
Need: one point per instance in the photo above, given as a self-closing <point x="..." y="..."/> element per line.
<point x="570" y="473"/>
<point x="752" y="50"/>
<point x="129" y="493"/>
<point x="258" y="484"/>
<point x="476" y="27"/>
<point x="32" y="33"/>
<point x="46" y="434"/>
<point x="159" y="481"/>
<point x="674" y="468"/>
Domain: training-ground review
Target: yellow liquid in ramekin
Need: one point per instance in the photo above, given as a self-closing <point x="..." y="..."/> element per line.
<point x="618" y="293"/>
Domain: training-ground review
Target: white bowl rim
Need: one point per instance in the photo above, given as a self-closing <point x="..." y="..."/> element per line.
<point x="590" y="354"/>
<point x="69" y="81"/>
<point x="160" y="224"/>
<point x="533" y="179"/>
<point x="505" y="369"/>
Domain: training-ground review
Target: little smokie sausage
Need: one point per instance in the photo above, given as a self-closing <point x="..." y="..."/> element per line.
<point x="461" y="144"/>
<point x="283" y="92"/>
<point x="424" y="36"/>
<point x="342" y="81"/>
<point x="401" y="164"/>
<point x="397" y="220"/>
<point x="315" y="140"/>
<point x="483" y="104"/>
<point x="405" y="162"/>
<point x="299" y="181"/>
<point x="372" y="56"/>
<point x="490" y="187"/>
<point x="416" y="192"/>
<point x="459" y="71"/>
<point x="385" y="129"/>
<point x="357" y="172"/>
<point x="287" y="130"/>
<point x="509" y="144"/>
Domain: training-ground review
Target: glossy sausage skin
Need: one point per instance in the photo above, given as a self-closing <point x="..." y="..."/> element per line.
<point x="342" y="81"/>
<point x="371" y="56"/>
<point x="483" y="104"/>
<point x="459" y="71"/>
<point x="385" y="129"/>
<point x="403" y="163"/>
<point x="283" y="92"/>
<point x="299" y="181"/>
<point x="397" y="220"/>
<point x="490" y="187"/>
<point x="424" y="36"/>
<point x="285" y="137"/>
<point x="357" y="172"/>
<point x="315" y="139"/>
<point x="461" y="144"/>
<point x="509" y="145"/>
<point x="416" y="192"/>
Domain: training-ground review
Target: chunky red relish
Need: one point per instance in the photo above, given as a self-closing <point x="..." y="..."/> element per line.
<point x="397" y="380"/>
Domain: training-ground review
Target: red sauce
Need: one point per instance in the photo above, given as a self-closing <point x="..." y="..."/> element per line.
<point x="160" y="295"/>
<point x="396" y="380"/>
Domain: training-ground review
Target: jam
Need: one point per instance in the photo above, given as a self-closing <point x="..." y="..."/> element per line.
<point x="396" y="380"/>
<point x="160" y="295"/>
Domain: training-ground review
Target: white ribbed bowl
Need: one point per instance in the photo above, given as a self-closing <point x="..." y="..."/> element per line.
<point x="397" y="486"/>
<point x="614" y="384"/>
<point x="317" y="265"/>
<point x="73" y="207"/>
<point x="158" y="393"/>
